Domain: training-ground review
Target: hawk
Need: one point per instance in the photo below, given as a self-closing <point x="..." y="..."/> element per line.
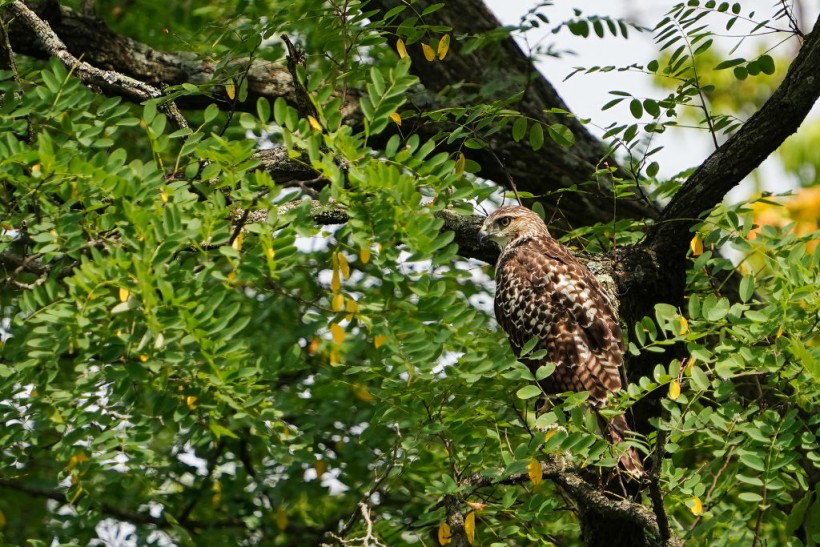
<point x="543" y="292"/>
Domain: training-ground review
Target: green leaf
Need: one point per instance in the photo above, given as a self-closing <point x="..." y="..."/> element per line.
<point x="753" y="497"/>
<point x="766" y="64"/>
<point x="263" y="109"/>
<point x="528" y="392"/>
<point x="752" y="461"/>
<point x="149" y="112"/>
<point x="740" y="73"/>
<point x="210" y="113"/>
<point x="747" y="288"/>
<point x="636" y="108"/>
<point x="729" y="63"/>
<point x="700" y="379"/>
<point x="561" y="135"/>
<point x="519" y="128"/>
<point x="536" y="136"/>
<point x="544" y="371"/>
<point x="221" y="431"/>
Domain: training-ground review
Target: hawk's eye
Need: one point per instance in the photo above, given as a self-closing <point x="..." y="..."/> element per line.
<point x="504" y="221"/>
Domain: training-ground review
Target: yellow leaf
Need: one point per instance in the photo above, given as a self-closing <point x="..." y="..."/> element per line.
<point x="335" y="357"/>
<point x="460" y="163"/>
<point x="314" y="123"/>
<point x="124" y="294"/>
<point x="237" y="241"/>
<point x="281" y="518"/>
<point x="779" y="332"/>
<point x="338" y="333"/>
<point x="143" y="357"/>
<point x="352" y="306"/>
<point x="401" y="48"/>
<point x="469" y="527"/>
<point x="231" y="276"/>
<point x="190" y="402"/>
<point x="164" y="197"/>
<point x="216" y="499"/>
<point x="75" y="459"/>
<point x="337" y="303"/>
<point x="335" y="282"/>
<point x="696" y="506"/>
<point x="674" y="389"/>
<point x="444" y="534"/>
<point x="429" y="54"/>
<point x="535" y="472"/>
<point x="320" y="466"/>
<point x="364" y="255"/>
<point x="379" y="340"/>
<point x="344" y="267"/>
<point x="2" y="520"/>
<point x="362" y="393"/>
<point x="443" y="47"/>
<point x="230" y="89"/>
<point x="313" y="346"/>
<point x="696" y="245"/>
<point x="396" y="117"/>
<point x="270" y="252"/>
<point x="684" y="325"/>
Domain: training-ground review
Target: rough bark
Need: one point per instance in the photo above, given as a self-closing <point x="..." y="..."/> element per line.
<point x="100" y="46"/>
<point x="506" y="66"/>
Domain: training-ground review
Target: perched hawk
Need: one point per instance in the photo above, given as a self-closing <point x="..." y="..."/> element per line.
<point x="542" y="291"/>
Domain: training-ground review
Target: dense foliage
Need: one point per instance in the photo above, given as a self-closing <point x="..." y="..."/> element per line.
<point x="189" y="354"/>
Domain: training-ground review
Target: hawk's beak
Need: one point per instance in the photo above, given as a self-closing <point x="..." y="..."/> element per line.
<point x="483" y="235"/>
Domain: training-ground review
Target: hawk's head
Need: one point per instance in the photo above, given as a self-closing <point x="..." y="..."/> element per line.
<point x="510" y="223"/>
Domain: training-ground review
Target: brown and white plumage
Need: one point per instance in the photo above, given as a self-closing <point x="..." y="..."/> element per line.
<point x="542" y="291"/>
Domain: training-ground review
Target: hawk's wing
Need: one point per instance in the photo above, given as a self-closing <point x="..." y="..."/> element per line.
<point x="581" y="295"/>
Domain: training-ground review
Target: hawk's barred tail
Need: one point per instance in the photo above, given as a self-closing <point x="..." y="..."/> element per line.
<point x="630" y="461"/>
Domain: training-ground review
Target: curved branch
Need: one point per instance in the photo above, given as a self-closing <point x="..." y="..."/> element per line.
<point x="765" y="131"/>
<point x="587" y="497"/>
<point x="50" y="43"/>
<point x="501" y="64"/>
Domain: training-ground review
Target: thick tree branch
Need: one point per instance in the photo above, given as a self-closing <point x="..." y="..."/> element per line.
<point x="121" y="84"/>
<point x="110" y="510"/>
<point x="504" y="65"/>
<point x="557" y="168"/>
<point x="761" y="135"/>
<point x="587" y="497"/>
<point x="92" y="39"/>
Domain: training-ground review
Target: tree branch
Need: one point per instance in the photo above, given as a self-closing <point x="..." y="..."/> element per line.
<point x="761" y="135"/>
<point x="110" y="510"/>
<point x="502" y="63"/>
<point x="587" y="497"/>
<point x="92" y="39"/>
<point x="121" y="84"/>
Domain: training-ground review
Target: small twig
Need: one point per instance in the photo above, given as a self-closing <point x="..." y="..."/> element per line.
<point x="7" y="61"/>
<point x="394" y="456"/>
<point x="296" y="58"/>
<point x="510" y="180"/>
<point x="655" y="493"/>
<point x="206" y="482"/>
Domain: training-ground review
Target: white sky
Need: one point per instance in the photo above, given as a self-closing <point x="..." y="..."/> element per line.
<point x="586" y="94"/>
